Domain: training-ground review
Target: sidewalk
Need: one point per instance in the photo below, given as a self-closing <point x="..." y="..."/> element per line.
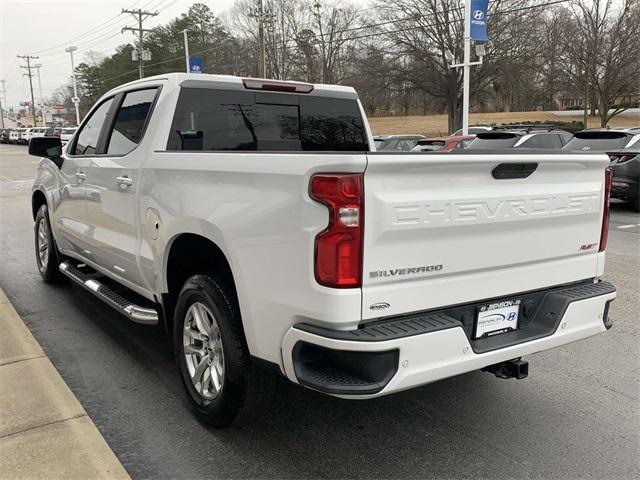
<point x="44" y="431"/>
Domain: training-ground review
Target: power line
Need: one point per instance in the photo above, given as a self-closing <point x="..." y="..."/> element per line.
<point x="109" y="23"/>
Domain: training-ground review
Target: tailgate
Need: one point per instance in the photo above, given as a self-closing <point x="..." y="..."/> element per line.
<point x="441" y="230"/>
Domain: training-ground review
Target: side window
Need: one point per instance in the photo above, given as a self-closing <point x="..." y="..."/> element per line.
<point x="406" y="145"/>
<point x="130" y="121"/>
<point x="532" y="142"/>
<point x="88" y="137"/>
<point x="552" y="141"/>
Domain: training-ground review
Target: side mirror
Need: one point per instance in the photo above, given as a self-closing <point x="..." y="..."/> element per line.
<point x="49" y="147"/>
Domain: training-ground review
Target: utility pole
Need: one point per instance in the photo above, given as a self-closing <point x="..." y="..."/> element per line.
<point x="75" y="99"/>
<point x="3" y="97"/>
<point x="141" y="16"/>
<point x="41" y="100"/>
<point x="186" y="49"/>
<point x="28" y="59"/>
<point x="264" y="17"/>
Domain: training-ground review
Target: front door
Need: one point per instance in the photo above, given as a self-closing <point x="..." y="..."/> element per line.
<point x="69" y="211"/>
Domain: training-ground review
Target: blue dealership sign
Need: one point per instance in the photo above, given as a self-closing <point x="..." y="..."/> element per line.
<point x="195" y="65"/>
<point x="479" y="20"/>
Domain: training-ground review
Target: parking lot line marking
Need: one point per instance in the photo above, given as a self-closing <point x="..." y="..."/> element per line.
<point x="631" y="225"/>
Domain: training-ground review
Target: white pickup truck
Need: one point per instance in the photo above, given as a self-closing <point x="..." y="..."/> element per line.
<point x="255" y="221"/>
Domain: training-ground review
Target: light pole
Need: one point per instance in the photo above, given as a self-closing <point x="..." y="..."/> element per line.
<point x="186" y="48"/>
<point x="467" y="64"/>
<point x="586" y="96"/>
<point x="75" y="99"/>
<point x="37" y="67"/>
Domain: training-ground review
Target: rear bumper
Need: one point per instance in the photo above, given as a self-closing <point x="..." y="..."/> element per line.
<point x="402" y="353"/>
<point x="624" y="187"/>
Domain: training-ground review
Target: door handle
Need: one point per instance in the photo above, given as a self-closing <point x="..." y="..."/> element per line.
<point x="124" y="181"/>
<point x="80" y="176"/>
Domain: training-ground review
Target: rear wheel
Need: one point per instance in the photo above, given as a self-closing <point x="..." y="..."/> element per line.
<point x="47" y="257"/>
<point x="635" y="204"/>
<point x="222" y="384"/>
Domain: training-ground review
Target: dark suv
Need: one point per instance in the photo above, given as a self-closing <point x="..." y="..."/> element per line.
<point x="623" y="148"/>
<point x="546" y="138"/>
<point x="4" y="135"/>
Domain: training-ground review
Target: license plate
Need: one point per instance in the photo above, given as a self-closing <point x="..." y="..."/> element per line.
<point x="496" y="318"/>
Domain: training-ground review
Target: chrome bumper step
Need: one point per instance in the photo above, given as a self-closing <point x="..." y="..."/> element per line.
<point x="136" y="313"/>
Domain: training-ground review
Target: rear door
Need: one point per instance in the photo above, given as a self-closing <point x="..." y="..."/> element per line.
<point x="112" y="183"/>
<point x="441" y="230"/>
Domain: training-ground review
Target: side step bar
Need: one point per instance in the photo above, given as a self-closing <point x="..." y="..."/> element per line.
<point x="136" y="313"/>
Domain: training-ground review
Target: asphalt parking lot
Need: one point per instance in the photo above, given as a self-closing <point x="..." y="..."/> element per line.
<point x="576" y="416"/>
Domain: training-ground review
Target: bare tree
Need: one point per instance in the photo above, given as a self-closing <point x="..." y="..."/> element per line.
<point x="601" y="46"/>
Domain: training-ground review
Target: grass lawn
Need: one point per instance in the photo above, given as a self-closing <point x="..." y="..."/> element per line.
<point x="436" y="125"/>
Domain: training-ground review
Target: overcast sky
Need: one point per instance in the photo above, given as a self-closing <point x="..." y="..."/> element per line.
<point x="46" y="27"/>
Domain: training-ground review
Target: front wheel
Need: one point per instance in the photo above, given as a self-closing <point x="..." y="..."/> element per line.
<point x="222" y="384"/>
<point x="46" y="252"/>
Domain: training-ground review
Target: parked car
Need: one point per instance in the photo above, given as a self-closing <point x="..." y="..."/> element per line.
<point x="443" y="144"/>
<point x="4" y="135"/>
<point x="66" y="134"/>
<point x="474" y="130"/>
<point x="24" y="135"/>
<point x="281" y="240"/>
<point x="603" y="140"/>
<point x="623" y="147"/>
<point x="14" y="136"/>
<point x="537" y="138"/>
<point x="626" y="175"/>
<point x="396" y="142"/>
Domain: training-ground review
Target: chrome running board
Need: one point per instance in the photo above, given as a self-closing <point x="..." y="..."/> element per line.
<point x="136" y="313"/>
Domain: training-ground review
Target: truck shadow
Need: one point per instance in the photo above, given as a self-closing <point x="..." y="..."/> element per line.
<point x="472" y="425"/>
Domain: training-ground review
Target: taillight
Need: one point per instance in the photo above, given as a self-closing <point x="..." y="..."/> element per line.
<point x="625" y="158"/>
<point x="604" y="233"/>
<point x="338" y="252"/>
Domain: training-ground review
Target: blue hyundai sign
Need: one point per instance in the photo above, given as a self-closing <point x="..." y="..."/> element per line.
<point x="195" y="65"/>
<point x="479" y="20"/>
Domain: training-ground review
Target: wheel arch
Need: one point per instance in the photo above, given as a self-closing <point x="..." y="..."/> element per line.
<point x="38" y="198"/>
<point x="189" y="254"/>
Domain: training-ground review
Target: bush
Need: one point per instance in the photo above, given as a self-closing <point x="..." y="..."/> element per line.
<point x="571" y="127"/>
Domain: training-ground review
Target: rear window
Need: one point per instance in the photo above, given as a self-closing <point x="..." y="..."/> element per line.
<point x="597" y="142"/>
<point x="207" y="119"/>
<point x="493" y="142"/>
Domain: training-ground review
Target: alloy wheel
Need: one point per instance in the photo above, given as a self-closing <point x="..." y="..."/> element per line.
<point x="203" y="351"/>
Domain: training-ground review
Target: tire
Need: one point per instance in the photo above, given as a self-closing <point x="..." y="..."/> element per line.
<point x="47" y="256"/>
<point x="635" y="204"/>
<point x="208" y="310"/>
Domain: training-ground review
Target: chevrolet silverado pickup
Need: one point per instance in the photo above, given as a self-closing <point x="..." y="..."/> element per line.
<point x="255" y="221"/>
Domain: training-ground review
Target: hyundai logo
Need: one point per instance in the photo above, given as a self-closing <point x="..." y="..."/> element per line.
<point x="478" y="14"/>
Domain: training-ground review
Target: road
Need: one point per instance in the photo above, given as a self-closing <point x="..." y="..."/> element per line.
<point x="576" y="416"/>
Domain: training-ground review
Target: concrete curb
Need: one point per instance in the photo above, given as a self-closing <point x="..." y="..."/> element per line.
<point x="44" y="431"/>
